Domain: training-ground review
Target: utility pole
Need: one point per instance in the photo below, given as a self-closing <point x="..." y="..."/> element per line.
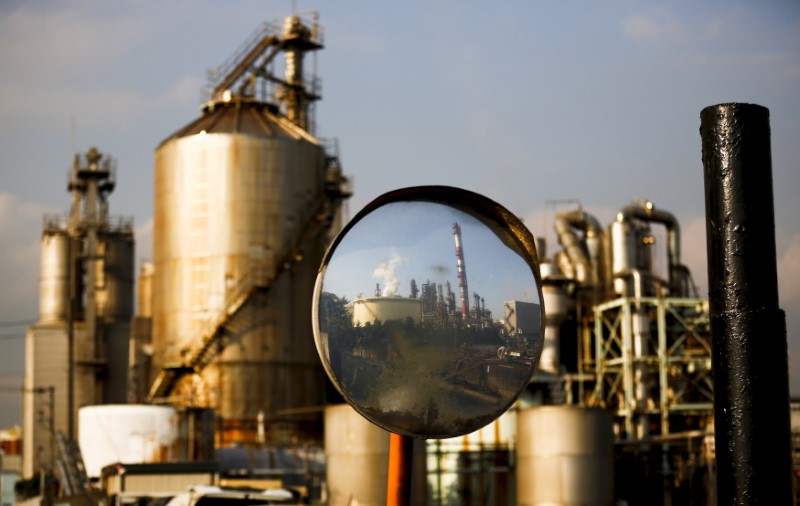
<point x="50" y="420"/>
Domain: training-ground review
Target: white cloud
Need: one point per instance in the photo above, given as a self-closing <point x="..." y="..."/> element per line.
<point x="67" y="37"/>
<point x="789" y="273"/>
<point x="144" y="241"/>
<point x="658" y="27"/>
<point x="20" y="228"/>
<point x="65" y="60"/>
<point x="109" y="107"/>
<point x="354" y="40"/>
<point x="789" y="299"/>
<point x="694" y="254"/>
<point x="723" y="24"/>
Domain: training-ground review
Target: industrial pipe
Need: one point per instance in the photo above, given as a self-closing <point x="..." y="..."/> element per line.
<point x="569" y="240"/>
<point x="557" y="304"/>
<point x="640" y="332"/>
<point x="748" y="329"/>
<point x="650" y="214"/>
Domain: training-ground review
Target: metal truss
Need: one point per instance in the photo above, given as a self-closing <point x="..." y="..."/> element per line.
<point x="652" y="362"/>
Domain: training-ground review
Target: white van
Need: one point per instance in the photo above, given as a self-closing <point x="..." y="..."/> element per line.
<point x="218" y="496"/>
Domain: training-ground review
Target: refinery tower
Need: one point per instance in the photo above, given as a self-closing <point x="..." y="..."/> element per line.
<point x="246" y="201"/>
<point x="76" y="354"/>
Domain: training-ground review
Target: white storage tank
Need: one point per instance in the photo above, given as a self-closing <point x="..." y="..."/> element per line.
<point x="565" y="456"/>
<point x="382" y="309"/>
<point x="357" y="458"/>
<point x="127" y="433"/>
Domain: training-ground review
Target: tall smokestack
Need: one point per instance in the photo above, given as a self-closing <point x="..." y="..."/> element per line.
<point x="462" y="272"/>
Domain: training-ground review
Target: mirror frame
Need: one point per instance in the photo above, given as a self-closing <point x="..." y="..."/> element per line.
<point x="496" y="217"/>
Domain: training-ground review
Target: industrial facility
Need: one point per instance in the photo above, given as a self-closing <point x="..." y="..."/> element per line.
<point x="620" y="405"/>
<point x="246" y="201"/>
<point x="77" y="353"/>
<point x="214" y="379"/>
<point x="622" y="396"/>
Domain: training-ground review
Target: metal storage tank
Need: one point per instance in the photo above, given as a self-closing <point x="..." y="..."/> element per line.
<point x="383" y="309"/>
<point x="145" y="297"/>
<point x="54" y="277"/>
<point x="356" y="456"/>
<point x="235" y="191"/>
<point x="129" y="434"/>
<point x="565" y="456"/>
<point x="628" y="251"/>
<point x="117" y="250"/>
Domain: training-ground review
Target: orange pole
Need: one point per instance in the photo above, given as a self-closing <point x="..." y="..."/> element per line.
<point x="398" y="490"/>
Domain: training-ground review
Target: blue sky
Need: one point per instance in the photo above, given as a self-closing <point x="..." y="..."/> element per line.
<point x="418" y="244"/>
<point x="527" y="102"/>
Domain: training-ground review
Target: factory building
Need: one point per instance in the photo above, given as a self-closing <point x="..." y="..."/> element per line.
<point x="76" y="354"/>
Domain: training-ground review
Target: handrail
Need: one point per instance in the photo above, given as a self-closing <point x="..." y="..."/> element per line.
<point x="218" y="74"/>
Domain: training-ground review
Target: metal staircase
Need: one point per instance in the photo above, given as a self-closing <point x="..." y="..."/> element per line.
<point x="70" y="466"/>
<point x="252" y="59"/>
<point x="236" y="78"/>
<point x="212" y="343"/>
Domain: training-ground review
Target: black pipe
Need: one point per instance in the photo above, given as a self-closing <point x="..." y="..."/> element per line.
<point x="748" y="329"/>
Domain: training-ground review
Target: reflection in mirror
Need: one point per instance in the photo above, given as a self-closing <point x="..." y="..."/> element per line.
<point x="428" y="317"/>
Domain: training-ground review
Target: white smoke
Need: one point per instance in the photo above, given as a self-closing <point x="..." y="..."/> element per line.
<point x="386" y="272"/>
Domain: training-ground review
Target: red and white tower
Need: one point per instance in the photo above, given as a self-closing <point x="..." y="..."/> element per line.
<point x="462" y="272"/>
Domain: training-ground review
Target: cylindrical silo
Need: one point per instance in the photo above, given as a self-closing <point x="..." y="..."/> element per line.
<point x="145" y="297"/>
<point x="54" y="277"/>
<point x="565" y="456"/>
<point x="356" y="458"/>
<point x="235" y="193"/>
<point x="118" y="279"/>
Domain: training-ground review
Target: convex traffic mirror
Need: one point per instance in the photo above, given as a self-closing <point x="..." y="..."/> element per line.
<point x="428" y="311"/>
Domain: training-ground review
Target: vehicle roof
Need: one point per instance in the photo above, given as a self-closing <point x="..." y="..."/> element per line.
<point x="212" y="495"/>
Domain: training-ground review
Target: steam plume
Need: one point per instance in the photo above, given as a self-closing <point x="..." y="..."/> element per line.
<point x="386" y="271"/>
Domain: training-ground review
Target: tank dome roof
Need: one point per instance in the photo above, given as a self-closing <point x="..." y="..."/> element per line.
<point x="251" y="118"/>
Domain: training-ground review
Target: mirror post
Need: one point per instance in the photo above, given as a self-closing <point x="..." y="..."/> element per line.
<point x="401" y="452"/>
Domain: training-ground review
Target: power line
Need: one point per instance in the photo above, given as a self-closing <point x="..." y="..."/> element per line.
<point x="17" y="323"/>
<point x="15" y="336"/>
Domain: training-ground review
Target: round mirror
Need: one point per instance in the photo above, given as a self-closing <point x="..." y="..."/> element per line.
<point x="428" y="311"/>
